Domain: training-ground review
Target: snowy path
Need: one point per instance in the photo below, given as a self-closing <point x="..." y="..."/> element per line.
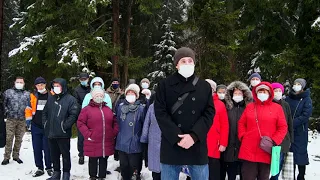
<point x="15" y="171"/>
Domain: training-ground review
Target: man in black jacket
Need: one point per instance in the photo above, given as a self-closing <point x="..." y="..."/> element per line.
<point x="59" y="114"/>
<point x="79" y="93"/>
<point x="184" y="132"/>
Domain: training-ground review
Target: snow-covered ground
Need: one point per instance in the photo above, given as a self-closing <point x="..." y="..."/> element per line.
<point x="15" y="171"/>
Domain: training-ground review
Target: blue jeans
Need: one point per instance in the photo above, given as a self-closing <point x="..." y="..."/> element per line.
<point x="197" y="172"/>
<point x="40" y="147"/>
<point x="276" y="177"/>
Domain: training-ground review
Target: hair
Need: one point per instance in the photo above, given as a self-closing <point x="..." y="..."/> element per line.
<point x="19" y="77"/>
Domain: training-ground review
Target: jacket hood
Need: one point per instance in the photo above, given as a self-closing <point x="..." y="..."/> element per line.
<point x="97" y="79"/>
<point x="304" y="94"/>
<point x="247" y="95"/>
<point x="271" y="96"/>
<point x="62" y="82"/>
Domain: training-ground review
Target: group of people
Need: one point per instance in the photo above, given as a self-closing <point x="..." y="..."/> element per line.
<point x="186" y="123"/>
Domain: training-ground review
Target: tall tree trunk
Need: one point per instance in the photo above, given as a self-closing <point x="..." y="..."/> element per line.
<point x="231" y="54"/>
<point x="1" y="34"/>
<point x="127" y="24"/>
<point x="116" y="36"/>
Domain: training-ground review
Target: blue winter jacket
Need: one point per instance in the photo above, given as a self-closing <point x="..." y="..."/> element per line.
<point x="130" y="128"/>
<point x="301" y="110"/>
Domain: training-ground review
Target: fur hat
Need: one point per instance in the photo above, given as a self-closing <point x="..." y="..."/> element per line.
<point x="277" y="85"/>
<point x="301" y="81"/>
<point x="212" y="84"/>
<point x="97" y="91"/>
<point x="183" y="52"/>
<point x="133" y="87"/>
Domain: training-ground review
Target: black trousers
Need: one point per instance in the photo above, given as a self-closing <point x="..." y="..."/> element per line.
<point x="255" y="171"/>
<point x="214" y="169"/>
<point x="60" y="147"/>
<point x="156" y="176"/>
<point x="302" y="171"/>
<point x="98" y="163"/>
<point x="230" y="168"/>
<point x="80" y="143"/>
<point x="129" y="164"/>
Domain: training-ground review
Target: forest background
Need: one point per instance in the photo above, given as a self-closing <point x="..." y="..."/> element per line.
<point x="138" y="38"/>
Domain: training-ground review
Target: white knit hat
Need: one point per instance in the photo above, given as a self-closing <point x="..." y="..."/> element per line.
<point x="212" y="84"/>
<point x="97" y="91"/>
<point x="133" y="87"/>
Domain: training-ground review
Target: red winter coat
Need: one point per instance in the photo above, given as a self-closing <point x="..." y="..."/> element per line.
<point x="219" y="131"/>
<point x="99" y="127"/>
<point x="272" y="123"/>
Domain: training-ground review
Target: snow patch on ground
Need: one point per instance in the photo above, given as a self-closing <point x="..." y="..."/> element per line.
<point x="15" y="171"/>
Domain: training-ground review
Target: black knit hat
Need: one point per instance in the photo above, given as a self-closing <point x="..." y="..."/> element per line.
<point x="40" y="80"/>
<point x="183" y="52"/>
<point x="115" y="79"/>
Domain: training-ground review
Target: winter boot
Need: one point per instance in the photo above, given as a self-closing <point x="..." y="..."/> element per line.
<point x="5" y="162"/>
<point x="108" y="172"/>
<point x="81" y="160"/>
<point x="55" y="176"/>
<point x="93" y="178"/>
<point x="66" y="176"/>
<point x="38" y="173"/>
<point x="18" y="160"/>
<point x="49" y="172"/>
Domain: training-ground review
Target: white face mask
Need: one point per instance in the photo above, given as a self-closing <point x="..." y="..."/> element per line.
<point x="145" y="85"/>
<point x="237" y="98"/>
<point x="96" y="86"/>
<point x="221" y="96"/>
<point x="277" y="96"/>
<point x="254" y="83"/>
<point x="18" y="85"/>
<point x="98" y="99"/>
<point x="297" y="88"/>
<point x="131" y="98"/>
<point x="42" y="91"/>
<point x="57" y="90"/>
<point x="186" y="70"/>
<point x="263" y="97"/>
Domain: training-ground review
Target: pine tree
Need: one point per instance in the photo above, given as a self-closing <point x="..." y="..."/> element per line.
<point x="163" y="63"/>
<point x="61" y="38"/>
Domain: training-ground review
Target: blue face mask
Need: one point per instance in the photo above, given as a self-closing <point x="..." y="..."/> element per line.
<point x="84" y="83"/>
<point x="115" y="86"/>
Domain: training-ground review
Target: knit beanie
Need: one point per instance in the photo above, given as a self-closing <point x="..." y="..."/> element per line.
<point x="277" y="85"/>
<point x="301" y="81"/>
<point x="212" y="84"/>
<point x="115" y="79"/>
<point x="145" y="80"/>
<point x="97" y="91"/>
<point x="133" y="87"/>
<point x="257" y="75"/>
<point x="40" y="80"/>
<point x="221" y="86"/>
<point x="183" y="52"/>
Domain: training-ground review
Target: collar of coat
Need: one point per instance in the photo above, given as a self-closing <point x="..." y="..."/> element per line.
<point x="177" y="78"/>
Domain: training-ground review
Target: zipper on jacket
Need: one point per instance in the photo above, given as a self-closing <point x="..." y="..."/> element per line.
<point x="62" y="127"/>
<point x="134" y="124"/>
<point x="59" y="107"/>
<point x="104" y="131"/>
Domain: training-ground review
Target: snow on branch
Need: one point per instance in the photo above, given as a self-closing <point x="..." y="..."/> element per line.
<point x="316" y="23"/>
<point x="26" y="43"/>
